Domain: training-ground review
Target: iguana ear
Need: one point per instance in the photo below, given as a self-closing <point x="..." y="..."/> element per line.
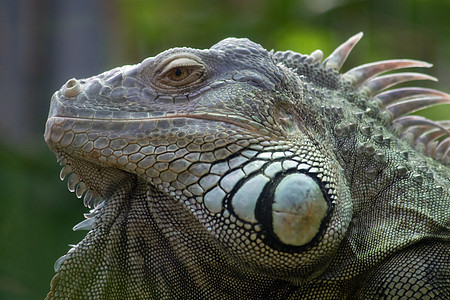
<point x="284" y="210"/>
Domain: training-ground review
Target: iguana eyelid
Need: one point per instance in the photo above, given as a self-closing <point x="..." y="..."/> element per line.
<point x="181" y="62"/>
<point x="196" y="71"/>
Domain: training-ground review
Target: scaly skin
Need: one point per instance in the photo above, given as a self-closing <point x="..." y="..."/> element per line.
<point x="235" y="172"/>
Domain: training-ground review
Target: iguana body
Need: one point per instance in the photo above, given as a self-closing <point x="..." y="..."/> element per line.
<point x="235" y="172"/>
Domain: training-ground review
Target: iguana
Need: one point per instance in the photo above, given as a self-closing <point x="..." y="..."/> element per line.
<point x="240" y="173"/>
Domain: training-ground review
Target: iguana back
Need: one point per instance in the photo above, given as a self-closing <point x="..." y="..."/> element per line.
<point x="236" y="172"/>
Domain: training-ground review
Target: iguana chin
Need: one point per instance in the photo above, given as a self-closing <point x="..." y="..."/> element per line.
<point x="240" y="173"/>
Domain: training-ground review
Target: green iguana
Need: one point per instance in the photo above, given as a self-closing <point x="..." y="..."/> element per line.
<point x="241" y="173"/>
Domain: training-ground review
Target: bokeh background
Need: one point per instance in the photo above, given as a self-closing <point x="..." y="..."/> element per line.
<point x="43" y="43"/>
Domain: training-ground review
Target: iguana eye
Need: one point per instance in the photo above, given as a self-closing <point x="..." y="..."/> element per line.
<point x="178" y="74"/>
<point x="182" y="71"/>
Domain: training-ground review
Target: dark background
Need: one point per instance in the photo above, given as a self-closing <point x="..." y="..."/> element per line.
<point x="43" y="43"/>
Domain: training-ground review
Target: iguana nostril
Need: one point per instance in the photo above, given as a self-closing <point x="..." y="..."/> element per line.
<point x="72" y="88"/>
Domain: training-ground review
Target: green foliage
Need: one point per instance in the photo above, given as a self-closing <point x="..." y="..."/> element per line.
<point x="34" y="205"/>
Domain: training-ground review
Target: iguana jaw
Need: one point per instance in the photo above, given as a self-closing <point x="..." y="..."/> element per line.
<point x="98" y="166"/>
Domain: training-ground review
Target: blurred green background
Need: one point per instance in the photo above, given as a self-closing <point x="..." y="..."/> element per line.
<point x="44" y="43"/>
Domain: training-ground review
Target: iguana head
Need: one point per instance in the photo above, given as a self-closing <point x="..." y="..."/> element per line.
<point x="258" y="146"/>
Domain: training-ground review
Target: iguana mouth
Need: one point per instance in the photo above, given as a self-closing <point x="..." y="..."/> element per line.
<point x="232" y="119"/>
<point x="91" y="173"/>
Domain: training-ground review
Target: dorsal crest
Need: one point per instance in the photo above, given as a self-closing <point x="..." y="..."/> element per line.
<point x="432" y="137"/>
